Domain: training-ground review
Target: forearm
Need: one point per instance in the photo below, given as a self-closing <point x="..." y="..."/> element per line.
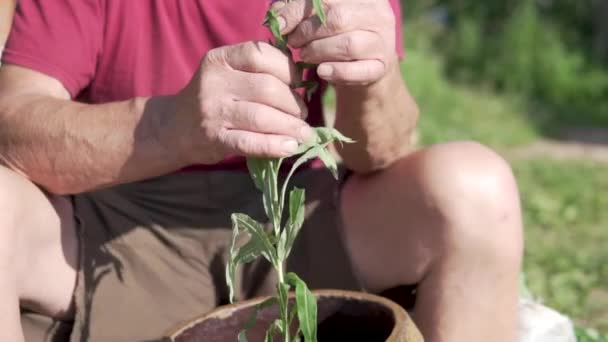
<point x="70" y="147"/>
<point x="380" y="117"/>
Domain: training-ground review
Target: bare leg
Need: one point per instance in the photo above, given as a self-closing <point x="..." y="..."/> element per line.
<point x="38" y="253"/>
<point x="448" y="218"/>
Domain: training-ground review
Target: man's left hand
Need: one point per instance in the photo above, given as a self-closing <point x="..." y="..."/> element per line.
<point x="355" y="46"/>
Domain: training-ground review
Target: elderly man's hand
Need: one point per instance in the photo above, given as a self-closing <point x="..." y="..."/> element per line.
<point x="355" y="46"/>
<point x="240" y="102"/>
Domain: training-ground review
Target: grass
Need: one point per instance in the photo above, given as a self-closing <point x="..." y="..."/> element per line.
<point x="567" y="236"/>
<point x="565" y="203"/>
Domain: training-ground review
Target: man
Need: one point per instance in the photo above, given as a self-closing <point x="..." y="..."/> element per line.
<point x="109" y="233"/>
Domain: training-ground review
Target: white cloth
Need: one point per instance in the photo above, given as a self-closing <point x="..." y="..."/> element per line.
<point x="538" y="323"/>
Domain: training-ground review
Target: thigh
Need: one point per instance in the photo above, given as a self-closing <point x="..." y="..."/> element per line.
<point x="47" y="248"/>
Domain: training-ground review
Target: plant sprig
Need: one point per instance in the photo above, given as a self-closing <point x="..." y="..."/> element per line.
<point x="276" y="244"/>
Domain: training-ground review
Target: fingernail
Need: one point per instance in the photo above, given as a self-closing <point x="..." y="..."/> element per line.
<point x="325" y="70"/>
<point x="277" y="5"/>
<point x="290" y="146"/>
<point x="305" y="133"/>
<point x="282" y="23"/>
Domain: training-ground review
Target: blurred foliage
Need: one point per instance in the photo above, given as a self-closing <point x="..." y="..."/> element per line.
<point x="550" y="51"/>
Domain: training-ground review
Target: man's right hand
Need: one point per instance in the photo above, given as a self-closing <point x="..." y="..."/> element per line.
<point x="238" y="102"/>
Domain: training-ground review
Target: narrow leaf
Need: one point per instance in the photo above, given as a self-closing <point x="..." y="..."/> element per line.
<point x="296" y="206"/>
<point x="328" y="134"/>
<point x="272" y="330"/>
<point x="294" y="223"/>
<point x="232" y="261"/>
<point x="258" y="234"/>
<point x="307" y="307"/>
<point x="311" y="153"/>
<point x="318" y="6"/>
<point x="272" y="206"/>
<point x="282" y="244"/>
<point x="249" y="252"/>
<point x="306" y="146"/>
<point x="310" y="91"/>
<point x="296" y="216"/>
<point x="253" y="317"/>
<point x="329" y="162"/>
<point x="257" y="171"/>
<point x="271" y="21"/>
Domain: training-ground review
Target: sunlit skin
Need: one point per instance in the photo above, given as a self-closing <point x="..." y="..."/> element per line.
<point x="446" y="217"/>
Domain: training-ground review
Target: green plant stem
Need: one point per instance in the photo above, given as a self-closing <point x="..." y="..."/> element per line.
<point x="283" y="302"/>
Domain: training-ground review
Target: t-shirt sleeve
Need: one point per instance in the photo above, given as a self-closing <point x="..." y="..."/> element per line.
<point x="398" y="27"/>
<point x="60" y="38"/>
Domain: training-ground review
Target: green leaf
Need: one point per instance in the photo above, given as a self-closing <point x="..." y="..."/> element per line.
<point x="283" y="294"/>
<point x="254" y="316"/>
<point x="257" y="171"/>
<point x="296" y="216"/>
<point x="307" y="307"/>
<point x="318" y="6"/>
<point x="258" y="235"/>
<point x="233" y="260"/>
<point x="310" y="86"/>
<point x="329" y="134"/>
<point x="282" y="245"/>
<point x="249" y="252"/>
<point x="272" y="22"/>
<point x="255" y="246"/>
<point x="329" y="162"/>
<point x="307" y="145"/>
<point x="310" y="91"/>
<point x="274" y="328"/>
<point x="294" y="224"/>
<point x="311" y="153"/>
<point x="272" y="206"/>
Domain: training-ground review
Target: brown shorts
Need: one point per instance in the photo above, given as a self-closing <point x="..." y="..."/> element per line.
<point x="153" y="253"/>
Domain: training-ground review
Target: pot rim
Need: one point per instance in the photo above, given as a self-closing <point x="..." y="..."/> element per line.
<point x="402" y="320"/>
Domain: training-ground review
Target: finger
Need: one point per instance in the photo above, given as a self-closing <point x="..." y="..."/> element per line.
<point x="291" y="13"/>
<point x="257" y="144"/>
<point x="356" y="72"/>
<point x="353" y="45"/>
<point x="262" y="58"/>
<point x="267" y="89"/>
<point x="341" y="18"/>
<point x="255" y="117"/>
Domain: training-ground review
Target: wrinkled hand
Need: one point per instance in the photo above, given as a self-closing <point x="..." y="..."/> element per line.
<point x="238" y="102"/>
<point x="355" y="46"/>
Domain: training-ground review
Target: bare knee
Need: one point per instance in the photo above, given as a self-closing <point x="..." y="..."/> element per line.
<point x="476" y="195"/>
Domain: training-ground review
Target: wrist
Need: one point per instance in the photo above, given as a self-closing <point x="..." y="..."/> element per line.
<point x="159" y="129"/>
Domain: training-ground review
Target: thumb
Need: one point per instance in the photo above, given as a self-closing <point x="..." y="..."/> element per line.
<point x="291" y="13"/>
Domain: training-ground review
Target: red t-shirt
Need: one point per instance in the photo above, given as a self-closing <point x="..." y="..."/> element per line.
<point x="110" y="50"/>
